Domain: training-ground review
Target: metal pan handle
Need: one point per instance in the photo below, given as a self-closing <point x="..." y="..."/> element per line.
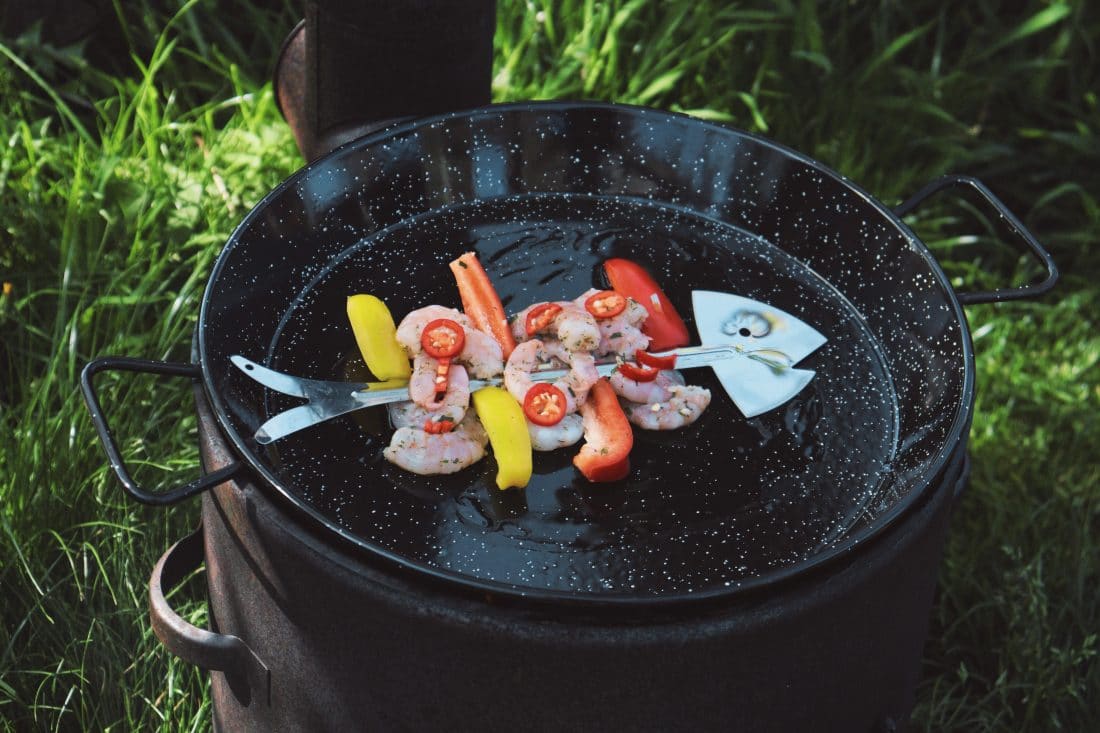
<point x="1017" y="227"/>
<point x="114" y="456"/>
<point x="206" y="649"/>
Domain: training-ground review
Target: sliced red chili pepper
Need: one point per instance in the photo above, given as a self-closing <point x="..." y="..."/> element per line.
<point x="437" y="427"/>
<point x="443" y="338"/>
<point x="605" y="455"/>
<point x="544" y="404"/>
<point x="541" y="316"/>
<point x="637" y="373"/>
<point x="442" y="375"/>
<point x="605" y="304"/>
<point x="657" y="362"/>
<point x="665" y="328"/>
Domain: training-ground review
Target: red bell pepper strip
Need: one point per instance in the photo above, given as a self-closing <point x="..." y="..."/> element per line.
<point x="657" y="362"/>
<point x="605" y="455"/>
<point x="665" y="328"/>
<point x="480" y="301"/>
<point x="637" y="373"/>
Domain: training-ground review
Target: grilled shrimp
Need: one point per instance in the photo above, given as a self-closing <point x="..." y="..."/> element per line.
<point x="430" y="454"/>
<point x="573" y="326"/>
<point x="567" y="432"/>
<point x="683" y="406"/>
<point x="620" y="334"/>
<point x="482" y="353"/>
<point x="528" y="355"/>
<point x="456" y="400"/>
<point x="657" y="390"/>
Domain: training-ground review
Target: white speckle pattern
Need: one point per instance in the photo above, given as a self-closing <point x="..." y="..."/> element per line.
<point x="544" y="195"/>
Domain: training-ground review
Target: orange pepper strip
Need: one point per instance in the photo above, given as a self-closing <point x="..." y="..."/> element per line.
<point x="481" y="302"/>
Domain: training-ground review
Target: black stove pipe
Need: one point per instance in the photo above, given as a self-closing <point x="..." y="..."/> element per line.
<point x="354" y="66"/>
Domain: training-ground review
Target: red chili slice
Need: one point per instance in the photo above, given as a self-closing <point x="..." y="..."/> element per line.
<point x="443" y="338"/>
<point x="437" y="427"/>
<point x="657" y="362"/>
<point x="544" y="404"/>
<point x="605" y="304"/>
<point x="541" y="316"/>
<point x="442" y="375"/>
<point x="637" y="373"/>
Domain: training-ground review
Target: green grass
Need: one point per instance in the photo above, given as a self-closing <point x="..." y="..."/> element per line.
<point x="120" y="182"/>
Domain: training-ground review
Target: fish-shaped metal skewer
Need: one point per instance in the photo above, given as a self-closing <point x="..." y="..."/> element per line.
<point x="751" y="347"/>
<point x="765" y="334"/>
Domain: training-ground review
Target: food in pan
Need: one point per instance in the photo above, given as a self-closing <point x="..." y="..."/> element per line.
<point x="438" y="432"/>
<point x="663" y="326"/>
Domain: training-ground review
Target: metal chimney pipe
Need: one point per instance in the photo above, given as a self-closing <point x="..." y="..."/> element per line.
<point x="354" y="66"/>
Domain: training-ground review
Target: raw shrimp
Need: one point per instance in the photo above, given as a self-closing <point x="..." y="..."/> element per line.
<point x="407" y="414"/>
<point x="430" y="454"/>
<point x="412" y="415"/>
<point x="683" y="407"/>
<point x="567" y="432"/>
<point x="482" y="353"/>
<point x="455" y="401"/>
<point x="582" y="372"/>
<point x="574" y="326"/>
<point x="620" y="334"/>
<point x="574" y="385"/>
<point x="656" y="390"/>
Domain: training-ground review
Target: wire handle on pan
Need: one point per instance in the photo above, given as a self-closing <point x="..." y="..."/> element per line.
<point x="992" y="296"/>
<point x="114" y="456"/>
<point x="206" y="649"/>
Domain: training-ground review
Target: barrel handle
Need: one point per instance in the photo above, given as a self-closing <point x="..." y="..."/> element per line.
<point x="1017" y="227"/>
<point x="114" y="456"/>
<point x="206" y="649"/>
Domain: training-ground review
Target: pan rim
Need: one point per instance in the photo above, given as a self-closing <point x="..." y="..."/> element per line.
<point x="926" y="482"/>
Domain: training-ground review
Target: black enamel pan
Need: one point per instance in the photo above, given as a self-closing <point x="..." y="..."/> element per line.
<point x="544" y="193"/>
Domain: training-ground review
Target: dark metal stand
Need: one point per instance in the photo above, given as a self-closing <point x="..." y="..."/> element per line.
<point x="353" y="67"/>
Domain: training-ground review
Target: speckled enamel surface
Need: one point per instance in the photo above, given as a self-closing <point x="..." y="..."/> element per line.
<point x="545" y="193"/>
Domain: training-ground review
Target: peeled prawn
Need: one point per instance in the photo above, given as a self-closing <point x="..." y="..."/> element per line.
<point x="620" y="334"/>
<point x="482" y="354"/>
<point x="582" y="372"/>
<point x="412" y="415"/>
<point x="683" y="406"/>
<point x="528" y="355"/>
<point x="567" y="432"/>
<point x="430" y="454"/>
<point x="573" y="326"/>
<point x="656" y="390"/>
<point x="455" y="401"/>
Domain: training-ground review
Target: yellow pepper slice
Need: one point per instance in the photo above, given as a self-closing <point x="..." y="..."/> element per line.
<point x="502" y="416"/>
<point x="376" y="335"/>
